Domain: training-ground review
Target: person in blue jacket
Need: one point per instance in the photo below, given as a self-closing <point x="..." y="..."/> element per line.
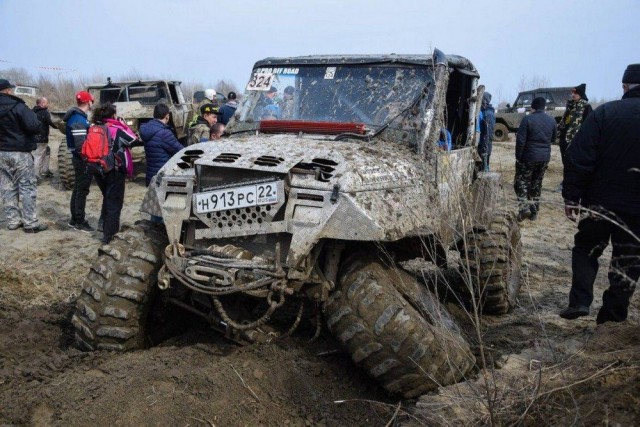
<point x="160" y="143"/>
<point x="76" y="128"/>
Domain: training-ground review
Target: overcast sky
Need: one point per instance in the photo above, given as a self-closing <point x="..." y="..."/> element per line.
<point x="565" y="42"/>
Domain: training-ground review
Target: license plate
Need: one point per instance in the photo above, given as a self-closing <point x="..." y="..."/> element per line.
<point x="238" y="197"/>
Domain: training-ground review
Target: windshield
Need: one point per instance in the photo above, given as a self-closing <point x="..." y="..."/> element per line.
<point x="371" y="94"/>
<point x="145" y="93"/>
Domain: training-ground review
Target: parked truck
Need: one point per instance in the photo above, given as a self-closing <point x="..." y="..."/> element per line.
<point x="135" y="101"/>
<point x="509" y="118"/>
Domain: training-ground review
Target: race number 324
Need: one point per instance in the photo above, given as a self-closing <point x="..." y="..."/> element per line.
<point x="260" y="81"/>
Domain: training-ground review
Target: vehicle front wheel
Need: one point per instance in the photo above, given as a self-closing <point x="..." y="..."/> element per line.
<point x="395" y="329"/>
<point x="500" y="132"/>
<point x="112" y="309"/>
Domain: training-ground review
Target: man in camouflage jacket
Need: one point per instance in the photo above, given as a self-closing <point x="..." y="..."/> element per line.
<point x="577" y="110"/>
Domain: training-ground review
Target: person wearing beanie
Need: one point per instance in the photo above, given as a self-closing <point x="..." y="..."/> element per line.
<point x="228" y="110"/>
<point x="535" y="135"/>
<point x="577" y="109"/>
<point x="487" y="123"/>
<point x="601" y="180"/>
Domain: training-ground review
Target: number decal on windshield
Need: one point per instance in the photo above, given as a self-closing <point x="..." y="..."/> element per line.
<point x="260" y="81"/>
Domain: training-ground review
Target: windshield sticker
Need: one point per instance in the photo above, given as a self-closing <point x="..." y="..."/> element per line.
<point x="278" y="70"/>
<point x="330" y="73"/>
<point x="260" y="81"/>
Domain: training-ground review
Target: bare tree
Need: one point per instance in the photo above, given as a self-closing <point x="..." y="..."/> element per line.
<point x="534" y="82"/>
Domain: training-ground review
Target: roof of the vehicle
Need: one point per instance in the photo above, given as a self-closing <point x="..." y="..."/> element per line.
<point x="455" y="61"/>
<point x="549" y="89"/>
<point x="128" y="83"/>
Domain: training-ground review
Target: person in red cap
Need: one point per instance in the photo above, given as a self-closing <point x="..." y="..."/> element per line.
<point x="77" y="124"/>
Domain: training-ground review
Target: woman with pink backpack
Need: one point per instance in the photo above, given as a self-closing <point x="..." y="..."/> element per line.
<point x="111" y="180"/>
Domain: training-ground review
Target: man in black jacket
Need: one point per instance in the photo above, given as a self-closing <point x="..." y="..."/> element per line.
<point x="18" y="127"/>
<point x="41" y="156"/>
<point x="533" y="151"/>
<point x="602" y="177"/>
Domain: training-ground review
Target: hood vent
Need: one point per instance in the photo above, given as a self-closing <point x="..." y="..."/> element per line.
<point x="268" y="161"/>
<point x="227" y="157"/>
<point x="322" y="172"/>
<point x="189" y="157"/>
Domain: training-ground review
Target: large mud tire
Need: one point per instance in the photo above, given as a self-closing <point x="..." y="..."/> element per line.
<point x="112" y="309"/>
<point x="396" y="330"/>
<point x="492" y="263"/>
<point x="500" y="132"/>
<point x="65" y="167"/>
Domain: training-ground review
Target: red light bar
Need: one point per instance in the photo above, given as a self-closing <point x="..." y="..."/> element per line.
<point x="296" y="126"/>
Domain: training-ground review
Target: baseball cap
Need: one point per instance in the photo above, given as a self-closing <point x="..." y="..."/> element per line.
<point x="83" y="97"/>
<point x="4" y="84"/>
<point x="208" y="109"/>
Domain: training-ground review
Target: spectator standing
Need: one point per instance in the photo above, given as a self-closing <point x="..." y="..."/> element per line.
<point x="601" y="175"/>
<point x="112" y="183"/>
<point x="487" y="124"/>
<point x="18" y="129"/>
<point x="160" y="144"/>
<point x="536" y="133"/>
<point x="42" y="154"/>
<point x="76" y="128"/>
<point x="200" y="130"/>
<point x="286" y="104"/>
<point x="228" y="110"/>
<point x="576" y="111"/>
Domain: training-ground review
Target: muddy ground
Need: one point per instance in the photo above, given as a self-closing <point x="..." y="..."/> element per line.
<point x="542" y="369"/>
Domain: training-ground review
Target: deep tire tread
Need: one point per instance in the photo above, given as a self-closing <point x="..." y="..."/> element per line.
<point x="112" y="308"/>
<point x="388" y="337"/>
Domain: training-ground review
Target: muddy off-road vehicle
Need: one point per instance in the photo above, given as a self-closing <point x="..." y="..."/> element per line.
<point x="509" y="118"/>
<point x="312" y="212"/>
<point x="134" y="102"/>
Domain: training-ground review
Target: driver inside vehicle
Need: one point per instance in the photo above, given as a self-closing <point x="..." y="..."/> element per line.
<point x="270" y="112"/>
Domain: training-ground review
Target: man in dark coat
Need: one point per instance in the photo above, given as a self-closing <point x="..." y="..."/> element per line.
<point x="160" y="144"/>
<point x="41" y="156"/>
<point x="487" y="124"/>
<point x="536" y="133"/>
<point x="18" y="128"/>
<point x="228" y="110"/>
<point x="602" y="177"/>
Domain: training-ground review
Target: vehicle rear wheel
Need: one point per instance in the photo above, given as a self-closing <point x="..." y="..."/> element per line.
<point x="112" y="309"/>
<point x="65" y="167"/>
<point x="492" y="262"/>
<point x="395" y="329"/>
<point x="500" y="132"/>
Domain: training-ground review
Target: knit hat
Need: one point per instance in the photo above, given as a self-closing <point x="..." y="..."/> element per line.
<point x="631" y="74"/>
<point x="581" y="90"/>
<point x="4" y="84"/>
<point x="486" y="98"/>
<point x="538" y="103"/>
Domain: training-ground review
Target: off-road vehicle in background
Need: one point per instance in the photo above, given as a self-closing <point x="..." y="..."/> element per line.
<point x="134" y="102"/>
<point x="509" y="118"/>
<point x="309" y="208"/>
